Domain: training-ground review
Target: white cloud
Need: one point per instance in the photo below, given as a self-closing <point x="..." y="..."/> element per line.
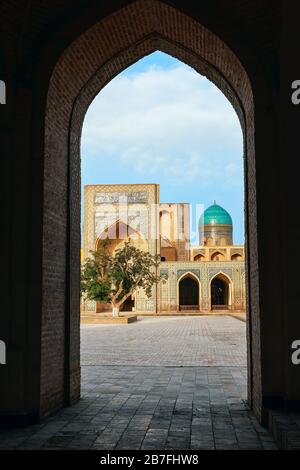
<point x="171" y="122"/>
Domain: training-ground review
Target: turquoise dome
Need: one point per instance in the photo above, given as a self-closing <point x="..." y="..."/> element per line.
<point x="215" y="215"/>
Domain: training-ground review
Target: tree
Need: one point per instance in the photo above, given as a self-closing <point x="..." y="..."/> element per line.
<point x="113" y="279"/>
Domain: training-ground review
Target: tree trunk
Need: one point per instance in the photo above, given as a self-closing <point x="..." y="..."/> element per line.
<point x="115" y="311"/>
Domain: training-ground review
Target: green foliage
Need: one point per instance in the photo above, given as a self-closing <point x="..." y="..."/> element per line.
<point x="95" y="283"/>
<point x="112" y="279"/>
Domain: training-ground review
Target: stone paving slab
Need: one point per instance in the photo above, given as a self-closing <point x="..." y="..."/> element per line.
<point x="151" y="408"/>
<point x="154" y="406"/>
<point x="186" y="341"/>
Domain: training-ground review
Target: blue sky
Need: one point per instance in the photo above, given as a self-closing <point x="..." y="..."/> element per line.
<point x="161" y="122"/>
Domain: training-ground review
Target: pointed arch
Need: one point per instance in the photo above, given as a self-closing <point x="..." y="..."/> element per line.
<point x="188" y="300"/>
<point x="217" y="256"/>
<point x="118" y="233"/>
<point x="159" y="27"/>
<point x="166" y="223"/>
<point x="236" y="256"/>
<point x="220" y="292"/>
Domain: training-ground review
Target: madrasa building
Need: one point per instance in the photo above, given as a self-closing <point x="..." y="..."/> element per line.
<point x="207" y="278"/>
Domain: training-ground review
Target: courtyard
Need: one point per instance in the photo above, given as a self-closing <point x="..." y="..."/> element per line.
<point x="161" y="383"/>
<point x="167" y="341"/>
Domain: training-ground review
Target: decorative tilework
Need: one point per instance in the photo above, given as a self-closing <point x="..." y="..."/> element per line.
<point x="134" y="197"/>
<point x="181" y="272"/>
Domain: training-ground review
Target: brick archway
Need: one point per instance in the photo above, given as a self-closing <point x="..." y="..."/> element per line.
<point x="82" y="70"/>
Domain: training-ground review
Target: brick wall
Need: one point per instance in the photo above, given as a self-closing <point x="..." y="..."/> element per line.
<point x="84" y="68"/>
<point x="41" y="164"/>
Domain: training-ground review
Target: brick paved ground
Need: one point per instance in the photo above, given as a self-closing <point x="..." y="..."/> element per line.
<point x="151" y="402"/>
<point x="164" y="341"/>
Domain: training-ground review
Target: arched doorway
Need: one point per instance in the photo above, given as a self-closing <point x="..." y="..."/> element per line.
<point x="117" y="234"/>
<point x="188" y="294"/>
<point x="217" y="256"/>
<point x="236" y="257"/>
<point x="167" y="30"/>
<point x="128" y="305"/>
<point x="220" y="293"/>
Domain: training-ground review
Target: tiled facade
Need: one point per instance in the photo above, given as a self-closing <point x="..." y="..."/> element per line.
<point x="120" y="212"/>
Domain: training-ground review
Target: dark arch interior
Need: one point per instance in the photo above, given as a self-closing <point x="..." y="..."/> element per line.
<point x="188" y="294"/>
<point x="128" y="305"/>
<point x="219" y="293"/>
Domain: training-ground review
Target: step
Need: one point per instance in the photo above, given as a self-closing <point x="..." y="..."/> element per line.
<point x="285" y="428"/>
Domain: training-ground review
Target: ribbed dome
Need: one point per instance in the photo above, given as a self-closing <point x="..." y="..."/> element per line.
<point x="215" y="215"/>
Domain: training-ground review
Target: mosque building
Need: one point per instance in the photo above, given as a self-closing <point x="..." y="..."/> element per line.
<point x="208" y="278"/>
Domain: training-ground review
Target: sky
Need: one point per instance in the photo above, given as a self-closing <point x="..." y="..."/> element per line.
<point x="162" y="122"/>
